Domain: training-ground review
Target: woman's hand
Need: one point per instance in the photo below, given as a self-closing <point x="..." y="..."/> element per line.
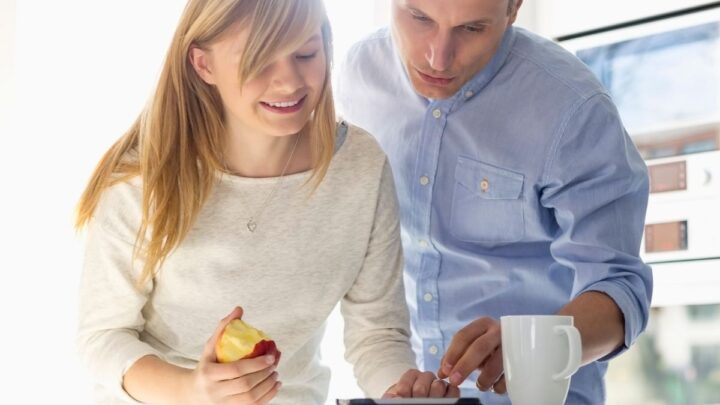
<point x="418" y="384"/>
<point x="248" y="381"/>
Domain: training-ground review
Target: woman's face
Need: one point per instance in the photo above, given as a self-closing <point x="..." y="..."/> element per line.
<point x="276" y="102"/>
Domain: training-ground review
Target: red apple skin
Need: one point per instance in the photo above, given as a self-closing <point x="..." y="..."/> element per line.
<point x="264" y="347"/>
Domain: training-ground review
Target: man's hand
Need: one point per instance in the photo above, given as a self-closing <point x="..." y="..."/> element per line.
<point x="415" y="383"/>
<point x="476" y="346"/>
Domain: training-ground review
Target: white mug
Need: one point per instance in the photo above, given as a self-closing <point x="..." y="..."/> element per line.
<point x="540" y="354"/>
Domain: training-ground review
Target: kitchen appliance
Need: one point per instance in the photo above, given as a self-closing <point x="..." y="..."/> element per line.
<point x="663" y="73"/>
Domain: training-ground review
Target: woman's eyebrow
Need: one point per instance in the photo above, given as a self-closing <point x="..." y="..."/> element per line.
<point x="313" y="38"/>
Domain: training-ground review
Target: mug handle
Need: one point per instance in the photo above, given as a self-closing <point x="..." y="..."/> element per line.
<point x="574" y="352"/>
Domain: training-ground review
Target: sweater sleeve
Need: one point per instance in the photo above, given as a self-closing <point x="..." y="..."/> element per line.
<point x="110" y="318"/>
<point x="376" y="315"/>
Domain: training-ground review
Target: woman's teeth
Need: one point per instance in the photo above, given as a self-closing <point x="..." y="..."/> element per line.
<point x="284" y="104"/>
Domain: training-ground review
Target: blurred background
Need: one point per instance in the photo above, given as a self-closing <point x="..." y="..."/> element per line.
<point x="75" y="73"/>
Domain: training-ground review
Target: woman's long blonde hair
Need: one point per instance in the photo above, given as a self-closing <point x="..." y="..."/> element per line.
<point x="176" y="144"/>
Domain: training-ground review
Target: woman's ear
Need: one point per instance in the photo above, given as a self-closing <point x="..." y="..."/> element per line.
<point x="200" y="61"/>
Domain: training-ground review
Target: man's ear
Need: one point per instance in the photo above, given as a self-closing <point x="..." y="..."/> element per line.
<point x="200" y="61"/>
<point x="514" y="13"/>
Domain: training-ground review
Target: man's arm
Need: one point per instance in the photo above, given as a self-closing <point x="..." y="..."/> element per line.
<point x="596" y="185"/>
<point x="600" y="322"/>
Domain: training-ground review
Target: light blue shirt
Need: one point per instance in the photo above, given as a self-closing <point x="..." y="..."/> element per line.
<point x="517" y="194"/>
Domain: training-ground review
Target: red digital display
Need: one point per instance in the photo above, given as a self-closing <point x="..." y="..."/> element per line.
<point x="668" y="177"/>
<point x="666" y="237"/>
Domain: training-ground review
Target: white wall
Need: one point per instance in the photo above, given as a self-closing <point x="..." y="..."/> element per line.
<point x="83" y="70"/>
<point x="17" y="355"/>
<point x="527" y="16"/>
<point x="7" y="61"/>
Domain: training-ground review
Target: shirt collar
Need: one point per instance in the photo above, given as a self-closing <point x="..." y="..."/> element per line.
<point x="486" y="74"/>
<point x="475" y="84"/>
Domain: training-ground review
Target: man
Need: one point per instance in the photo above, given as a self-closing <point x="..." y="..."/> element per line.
<point x="520" y="191"/>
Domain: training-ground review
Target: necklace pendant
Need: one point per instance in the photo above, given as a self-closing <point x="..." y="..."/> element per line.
<point x="251" y="225"/>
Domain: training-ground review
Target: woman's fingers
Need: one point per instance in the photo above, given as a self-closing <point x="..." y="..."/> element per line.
<point x="421" y="386"/>
<point x="246" y="383"/>
<point x="239" y="368"/>
<point x="404" y="387"/>
<point x="452" y="392"/>
<point x="438" y="388"/>
<point x="209" y="349"/>
<point x="259" y="392"/>
<point x="270" y="394"/>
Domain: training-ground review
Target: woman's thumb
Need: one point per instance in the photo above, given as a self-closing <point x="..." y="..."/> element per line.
<point x="209" y="351"/>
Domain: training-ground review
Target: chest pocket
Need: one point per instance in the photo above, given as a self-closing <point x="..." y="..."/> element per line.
<point x="487" y="203"/>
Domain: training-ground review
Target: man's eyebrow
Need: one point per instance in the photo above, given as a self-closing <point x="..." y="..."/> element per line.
<point x="415" y="10"/>
<point x="480" y="21"/>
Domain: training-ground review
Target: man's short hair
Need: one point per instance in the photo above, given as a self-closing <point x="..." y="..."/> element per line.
<point x="511" y="4"/>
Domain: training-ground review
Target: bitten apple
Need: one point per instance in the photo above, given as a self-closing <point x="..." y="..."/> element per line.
<point x="242" y="341"/>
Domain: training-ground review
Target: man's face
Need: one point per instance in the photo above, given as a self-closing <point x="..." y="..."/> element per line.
<point x="443" y="43"/>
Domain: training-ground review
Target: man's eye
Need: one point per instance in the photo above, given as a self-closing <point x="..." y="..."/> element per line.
<point x="474" y="28"/>
<point x="420" y="17"/>
<point x="306" y="56"/>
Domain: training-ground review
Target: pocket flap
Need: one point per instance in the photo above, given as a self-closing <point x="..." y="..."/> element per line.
<point x="488" y="181"/>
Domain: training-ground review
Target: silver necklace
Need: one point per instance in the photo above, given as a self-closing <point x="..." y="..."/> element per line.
<point x="252" y="222"/>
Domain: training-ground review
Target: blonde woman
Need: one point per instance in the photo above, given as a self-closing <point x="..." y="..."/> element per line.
<point x="236" y="188"/>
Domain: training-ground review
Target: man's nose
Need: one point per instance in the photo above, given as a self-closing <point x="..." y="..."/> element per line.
<point x="440" y="52"/>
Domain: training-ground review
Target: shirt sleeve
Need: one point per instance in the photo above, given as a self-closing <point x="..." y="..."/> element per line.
<point x="110" y="317"/>
<point x="596" y="184"/>
<point x="376" y="315"/>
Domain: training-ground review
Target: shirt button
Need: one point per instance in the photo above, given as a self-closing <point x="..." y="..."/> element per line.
<point x="433" y="350"/>
<point x="437" y="113"/>
<point x="468" y="94"/>
<point x="484" y="185"/>
<point x="423" y="243"/>
<point x="424" y="180"/>
<point x="428" y="297"/>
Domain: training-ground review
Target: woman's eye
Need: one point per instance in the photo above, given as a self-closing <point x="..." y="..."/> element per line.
<point x="306" y="56"/>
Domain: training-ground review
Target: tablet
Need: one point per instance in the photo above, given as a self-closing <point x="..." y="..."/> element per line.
<point x="410" y="401"/>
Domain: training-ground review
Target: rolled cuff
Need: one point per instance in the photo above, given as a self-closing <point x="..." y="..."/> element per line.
<point x="633" y="313"/>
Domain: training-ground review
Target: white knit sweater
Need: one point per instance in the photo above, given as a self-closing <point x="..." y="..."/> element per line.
<point x="309" y="252"/>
